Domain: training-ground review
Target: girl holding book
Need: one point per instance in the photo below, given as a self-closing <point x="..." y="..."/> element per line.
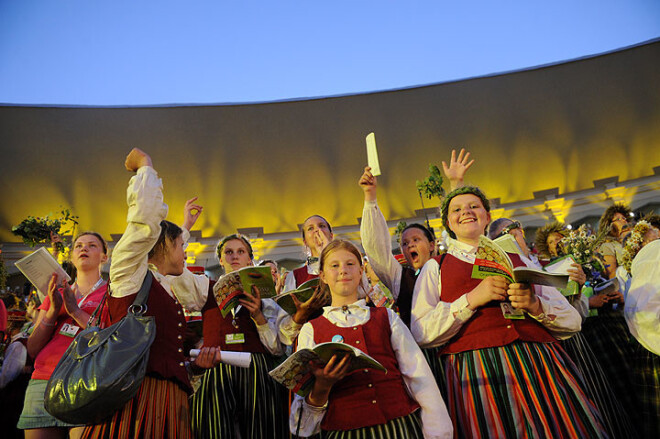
<point x="366" y="403"/>
<point x="63" y="313"/>
<point x="232" y="398"/>
<point x="506" y="377"/>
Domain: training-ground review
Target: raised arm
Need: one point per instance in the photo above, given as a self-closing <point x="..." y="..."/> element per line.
<point x="376" y="238"/>
<point x="189" y="288"/>
<point x="145" y="212"/>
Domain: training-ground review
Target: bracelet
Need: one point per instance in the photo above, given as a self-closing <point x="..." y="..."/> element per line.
<point x="43" y="322"/>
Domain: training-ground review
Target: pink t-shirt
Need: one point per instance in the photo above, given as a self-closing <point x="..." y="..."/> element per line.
<point x="63" y="335"/>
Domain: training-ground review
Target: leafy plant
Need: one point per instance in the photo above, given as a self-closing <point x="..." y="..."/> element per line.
<point x="432" y="185"/>
<point x="399" y="230"/>
<point x="37" y="230"/>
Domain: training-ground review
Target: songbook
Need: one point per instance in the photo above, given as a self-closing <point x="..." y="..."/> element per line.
<point x="492" y="260"/>
<point x="38" y="267"/>
<point x="295" y="373"/>
<point x="231" y="287"/>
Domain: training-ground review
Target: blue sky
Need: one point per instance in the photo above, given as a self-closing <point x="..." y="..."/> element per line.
<point x="131" y="52"/>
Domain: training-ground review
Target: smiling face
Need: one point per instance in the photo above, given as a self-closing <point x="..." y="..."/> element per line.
<point x="416" y="247"/>
<point x="342" y="273"/>
<point x="316" y="233"/>
<point x="88" y="253"/>
<point x="467" y="218"/>
<point x="234" y="255"/>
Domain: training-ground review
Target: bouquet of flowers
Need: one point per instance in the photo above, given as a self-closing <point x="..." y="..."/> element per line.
<point x="38" y="230"/>
<point x="582" y="244"/>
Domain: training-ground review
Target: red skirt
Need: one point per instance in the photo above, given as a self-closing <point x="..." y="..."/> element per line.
<point x="160" y="409"/>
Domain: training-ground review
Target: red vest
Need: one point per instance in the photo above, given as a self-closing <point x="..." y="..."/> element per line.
<point x="487" y="327"/>
<point x="166" y="359"/>
<point x="302" y="275"/>
<point x="366" y="397"/>
<point x="216" y="328"/>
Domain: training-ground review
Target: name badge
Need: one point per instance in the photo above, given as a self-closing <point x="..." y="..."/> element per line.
<point x="509" y="312"/>
<point x="235" y="338"/>
<point x="69" y="330"/>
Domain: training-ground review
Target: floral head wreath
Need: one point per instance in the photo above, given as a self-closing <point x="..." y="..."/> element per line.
<point x="444" y="207"/>
<point x="542" y="234"/>
<point x="634" y="243"/>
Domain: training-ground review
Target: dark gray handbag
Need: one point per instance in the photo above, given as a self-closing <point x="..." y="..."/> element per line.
<point x="103" y="368"/>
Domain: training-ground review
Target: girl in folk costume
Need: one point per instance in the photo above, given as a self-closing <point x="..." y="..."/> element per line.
<point x="417" y="246"/>
<point x="160" y="408"/>
<point x="369" y="403"/>
<point x="316" y="234"/>
<point x="233" y="400"/>
<point x="417" y="242"/>
<point x="63" y="313"/>
<point x="505" y="377"/>
<point x="616" y="418"/>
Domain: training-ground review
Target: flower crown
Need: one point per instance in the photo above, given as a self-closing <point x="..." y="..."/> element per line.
<point x="634" y="243"/>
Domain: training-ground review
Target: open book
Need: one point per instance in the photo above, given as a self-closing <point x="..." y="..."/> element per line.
<point x="302" y="293"/>
<point x="38" y="267"/>
<point x="295" y="373"/>
<point x="561" y="266"/>
<point x="229" y="289"/>
<point x="491" y="260"/>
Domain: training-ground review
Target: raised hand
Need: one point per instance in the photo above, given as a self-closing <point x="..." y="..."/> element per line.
<point x="55" y="299"/>
<point x="368" y="183"/>
<point x="457" y="168"/>
<point x="137" y="159"/>
<point x="191" y="212"/>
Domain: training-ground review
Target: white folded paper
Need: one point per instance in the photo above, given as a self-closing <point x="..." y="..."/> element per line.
<point x="239" y="359"/>
<point x="372" y="155"/>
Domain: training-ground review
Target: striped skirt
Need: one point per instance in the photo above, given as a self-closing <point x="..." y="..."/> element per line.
<point x="524" y="390"/>
<point x="406" y="427"/>
<point x="647" y="387"/>
<point x="159" y="410"/>
<point x="616" y="420"/>
<point x="232" y="400"/>
<point x="611" y="342"/>
<point x="432" y="356"/>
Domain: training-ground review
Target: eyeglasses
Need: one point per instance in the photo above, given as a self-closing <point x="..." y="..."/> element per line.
<point x="505" y="231"/>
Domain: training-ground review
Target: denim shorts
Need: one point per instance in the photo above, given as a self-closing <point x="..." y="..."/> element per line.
<point x="34" y="414"/>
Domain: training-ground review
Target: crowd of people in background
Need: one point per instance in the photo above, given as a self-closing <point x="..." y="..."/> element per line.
<point x="466" y="357"/>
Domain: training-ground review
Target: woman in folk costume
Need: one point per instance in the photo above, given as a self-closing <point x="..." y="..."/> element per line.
<point x="149" y="243"/>
<point x="505" y="377"/>
<point x="366" y="403"/>
<point x="642" y="311"/>
<point x="616" y="418"/>
<point x="231" y="400"/>
<point x="63" y="313"/>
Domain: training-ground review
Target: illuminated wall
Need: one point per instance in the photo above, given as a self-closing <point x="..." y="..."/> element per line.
<point x="272" y="165"/>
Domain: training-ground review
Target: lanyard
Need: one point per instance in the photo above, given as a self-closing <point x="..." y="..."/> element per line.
<point x="96" y="285"/>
